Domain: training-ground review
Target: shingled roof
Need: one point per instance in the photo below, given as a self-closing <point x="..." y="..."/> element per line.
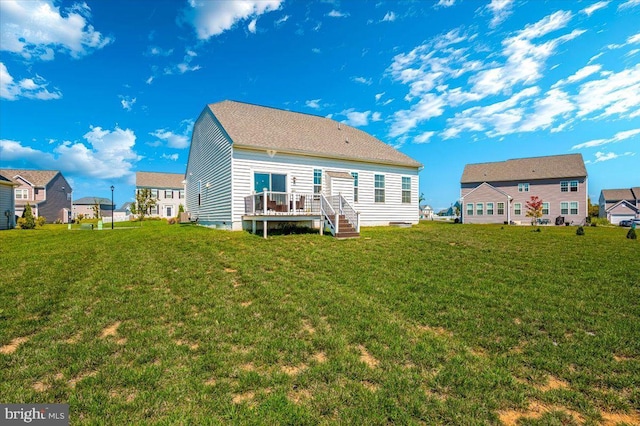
<point x="254" y="126"/>
<point x="39" y="178"/>
<point x="159" y="180"/>
<point x="549" y="167"/>
<point x="618" y="194"/>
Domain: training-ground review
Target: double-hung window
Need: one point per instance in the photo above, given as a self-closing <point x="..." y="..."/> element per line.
<point x="317" y="181"/>
<point x="500" y="208"/>
<point x="168" y="194"/>
<point x="517" y="208"/>
<point x="564" y="207"/>
<point x="355" y="186"/>
<point x="573" y="207"/>
<point x="378" y="181"/>
<point x="479" y="209"/>
<point x="523" y="187"/>
<point x="22" y="194"/>
<point x="469" y="209"/>
<point x="573" y="186"/>
<point x="564" y="186"/>
<point x="406" y="189"/>
<point x="489" y="208"/>
<point x="545" y="208"/>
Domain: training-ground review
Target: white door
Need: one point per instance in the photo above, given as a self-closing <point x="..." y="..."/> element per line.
<point x="616" y="218"/>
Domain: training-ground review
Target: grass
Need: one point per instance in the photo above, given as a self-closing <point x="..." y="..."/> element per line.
<point x="437" y="324"/>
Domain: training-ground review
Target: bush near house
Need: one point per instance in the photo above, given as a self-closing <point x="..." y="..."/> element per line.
<point x="187" y="325"/>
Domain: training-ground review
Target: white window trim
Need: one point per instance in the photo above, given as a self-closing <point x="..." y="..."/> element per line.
<point x="567" y="203"/>
<point x="492" y="209"/>
<point x="480" y="210"/>
<point x="468" y="210"/>
<point x="23" y="191"/>
<point x="517" y="207"/>
<point x="402" y="190"/>
<point x="523" y="187"/>
<point x="384" y="188"/>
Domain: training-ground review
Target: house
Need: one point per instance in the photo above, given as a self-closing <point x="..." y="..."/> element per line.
<point x="253" y="166"/>
<point x="497" y="192"/>
<point x="619" y="204"/>
<point x="426" y="212"/>
<point x="166" y="188"/>
<point x="86" y="206"/>
<point x="123" y="213"/>
<point x="7" y="203"/>
<point x="47" y="191"/>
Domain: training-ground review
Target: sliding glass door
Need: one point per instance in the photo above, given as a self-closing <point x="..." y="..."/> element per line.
<point x="269" y="182"/>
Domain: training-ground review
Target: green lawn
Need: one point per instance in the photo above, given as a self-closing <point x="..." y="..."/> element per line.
<point x="437" y="324"/>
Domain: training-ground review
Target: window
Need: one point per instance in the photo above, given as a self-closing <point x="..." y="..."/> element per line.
<point x="479" y="209"/>
<point x="378" y="181"/>
<point x="269" y="182"/>
<point x="564" y="207"/>
<point x="355" y="186"/>
<point x="573" y="185"/>
<point x="199" y="191"/>
<point x="317" y="181"/>
<point x="154" y="193"/>
<point x="489" y="208"/>
<point x="168" y="194"/>
<point x="523" y="187"/>
<point x="406" y="189"/>
<point x="517" y="208"/>
<point x="181" y="193"/>
<point x="469" y="209"/>
<point x="564" y="186"/>
<point x="22" y="194"/>
<point x="574" y="207"/>
<point x="545" y="208"/>
<point x="500" y="208"/>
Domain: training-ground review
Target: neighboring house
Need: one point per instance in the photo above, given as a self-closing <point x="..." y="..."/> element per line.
<point x="498" y="192"/>
<point x="7" y="203"/>
<point x="426" y="212"/>
<point x="123" y="213"/>
<point x="47" y="191"/>
<point x="619" y="204"/>
<point x="166" y="188"/>
<point x="86" y="207"/>
<point x="309" y="168"/>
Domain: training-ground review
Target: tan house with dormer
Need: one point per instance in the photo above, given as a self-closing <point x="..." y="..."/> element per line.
<point x="619" y="204"/>
<point x="498" y="192"/>
<point x="166" y="188"/>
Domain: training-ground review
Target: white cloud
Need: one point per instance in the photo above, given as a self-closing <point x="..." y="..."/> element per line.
<point x="175" y="140"/>
<point x="406" y="120"/>
<point x="316" y="50"/>
<point x="106" y="154"/>
<point x="282" y="20"/>
<point x="149" y="80"/>
<point x="389" y="17"/>
<point x="313" y="103"/>
<point x="376" y="116"/>
<point x="30" y="88"/>
<point x="127" y="102"/>
<point x="355" y="118"/>
<point x="252" y="26"/>
<point x="173" y="157"/>
<point x="185" y="66"/>
<point x="212" y="18"/>
<point x="581" y="74"/>
<point x="379" y="95"/>
<point x="634" y="39"/>
<point x="602" y="156"/>
<point x="445" y="3"/>
<point x="616" y="93"/>
<point x="38" y="28"/>
<point x="556" y="103"/>
<point x="596" y="6"/>
<point x="501" y="9"/>
<point x="618" y="137"/>
<point x="362" y="80"/>
<point x="157" y="51"/>
<point x="423" y="137"/>
<point x="337" y="14"/>
<point x="629" y="4"/>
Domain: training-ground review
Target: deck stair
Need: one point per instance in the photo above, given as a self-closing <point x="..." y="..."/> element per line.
<point x="346" y="229"/>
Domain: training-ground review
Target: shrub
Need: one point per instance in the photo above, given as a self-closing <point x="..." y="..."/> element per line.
<point x="632" y="234"/>
<point x="27" y="221"/>
<point x="41" y="221"/>
<point x="580" y="230"/>
<point x="599" y="221"/>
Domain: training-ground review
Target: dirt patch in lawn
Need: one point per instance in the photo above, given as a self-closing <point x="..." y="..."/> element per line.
<point x="319" y="357"/>
<point x="230" y="271"/>
<point x="123" y="394"/>
<point x="299" y="396"/>
<point x="438" y="331"/>
<point x="41" y="386"/>
<point x="248" y="367"/>
<point x="621" y="358"/>
<point x="307" y="327"/>
<point x="246" y="304"/>
<point x="612" y="419"/>
<point x="293" y="370"/>
<point x="370" y="386"/>
<point x="74" y="381"/>
<point x="552" y="384"/>
<point x="111" y="330"/>
<point x="13" y="345"/>
<point x="535" y="411"/>
<point x="240" y="398"/>
<point x="367" y="358"/>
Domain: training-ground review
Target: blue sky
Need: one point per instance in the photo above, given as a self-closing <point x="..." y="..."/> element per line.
<point x="102" y="89"/>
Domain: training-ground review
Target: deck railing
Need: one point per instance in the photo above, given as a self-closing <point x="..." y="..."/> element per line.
<point x="274" y="203"/>
<point x="344" y="208"/>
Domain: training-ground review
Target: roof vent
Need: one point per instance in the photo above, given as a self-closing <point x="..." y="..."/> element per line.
<point x="347" y="140"/>
<point x="339" y="126"/>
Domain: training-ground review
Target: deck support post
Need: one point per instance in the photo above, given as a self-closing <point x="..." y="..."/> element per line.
<point x="264" y="230"/>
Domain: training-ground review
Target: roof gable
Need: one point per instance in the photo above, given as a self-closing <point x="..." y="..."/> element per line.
<point x="549" y="167"/>
<point x="36" y="178"/>
<point x="259" y="127"/>
<point x="159" y="180"/>
<point x="92" y="201"/>
<point x="611" y="195"/>
<point x="487" y="185"/>
<point x="624" y="203"/>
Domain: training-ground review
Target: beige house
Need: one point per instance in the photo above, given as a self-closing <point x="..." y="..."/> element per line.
<point x="619" y="204"/>
<point x="497" y="192"/>
<point x="166" y="188"/>
<point x="47" y="191"/>
<point x="252" y="166"/>
<point x="86" y="206"/>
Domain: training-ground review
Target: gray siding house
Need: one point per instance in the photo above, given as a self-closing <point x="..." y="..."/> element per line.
<point x="619" y="204"/>
<point x="85" y="206"/>
<point x="251" y="165"/>
<point x="497" y="192"/>
<point x="7" y="203"/>
<point x="166" y="188"/>
<point x="47" y="191"/>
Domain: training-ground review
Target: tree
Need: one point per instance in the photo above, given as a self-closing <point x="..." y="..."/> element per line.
<point x="594" y="209"/>
<point x="421" y="198"/>
<point x="180" y="210"/>
<point x="534" y="208"/>
<point x="96" y="208"/>
<point x="143" y="204"/>
<point x="27" y="221"/>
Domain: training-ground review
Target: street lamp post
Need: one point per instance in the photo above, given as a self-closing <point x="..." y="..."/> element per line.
<point x="112" y="207"/>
